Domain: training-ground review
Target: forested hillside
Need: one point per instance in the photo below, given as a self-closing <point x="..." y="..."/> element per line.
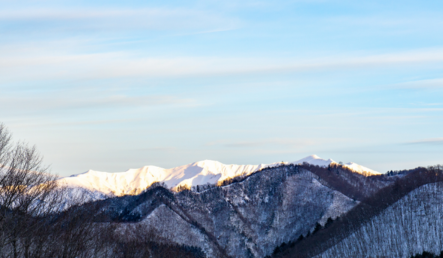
<point x="402" y="214"/>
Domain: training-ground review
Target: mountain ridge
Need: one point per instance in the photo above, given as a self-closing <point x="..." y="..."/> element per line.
<point x="100" y="185"/>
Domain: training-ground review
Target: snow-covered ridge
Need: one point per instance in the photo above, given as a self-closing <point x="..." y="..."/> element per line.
<point x="204" y="172"/>
<point x="316" y="160"/>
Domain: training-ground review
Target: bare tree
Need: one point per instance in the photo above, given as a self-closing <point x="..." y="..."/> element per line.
<point x="28" y="194"/>
<point x="36" y="221"/>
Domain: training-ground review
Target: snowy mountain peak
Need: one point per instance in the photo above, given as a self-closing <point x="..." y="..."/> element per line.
<point x="133" y="181"/>
<point x="315" y="160"/>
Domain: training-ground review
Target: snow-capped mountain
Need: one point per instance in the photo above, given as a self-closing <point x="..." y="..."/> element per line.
<point x="133" y="181"/>
<point x="248" y="218"/>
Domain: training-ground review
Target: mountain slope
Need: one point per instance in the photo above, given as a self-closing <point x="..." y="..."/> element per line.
<point x="366" y="214"/>
<point x="412" y="225"/>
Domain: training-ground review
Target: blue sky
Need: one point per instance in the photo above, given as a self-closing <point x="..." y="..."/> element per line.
<point x="112" y="85"/>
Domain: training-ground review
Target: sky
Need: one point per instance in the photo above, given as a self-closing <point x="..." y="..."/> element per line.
<point x="113" y="85"/>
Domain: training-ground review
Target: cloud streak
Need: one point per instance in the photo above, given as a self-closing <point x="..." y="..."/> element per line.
<point x="433" y="141"/>
<point x="47" y="19"/>
<point x="422" y="84"/>
<point x="70" y="124"/>
<point x="125" y="64"/>
<point x="85" y="13"/>
<point x="76" y="101"/>
<point x="273" y="142"/>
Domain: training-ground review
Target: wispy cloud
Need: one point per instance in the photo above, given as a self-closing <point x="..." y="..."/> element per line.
<point x="46" y="19"/>
<point x="124" y="64"/>
<point x="49" y="124"/>
<point x="387" y="20"/>
<point x="273" y="142"/>
<point x="72" y="13"/>
<point x="433" y="141"/>
<point x="157" y="149"/>
<point x="269" y="142"/>
<point x="422" y="84"/>
<point x="89" y="102"/>
<point x="427" y="104"/>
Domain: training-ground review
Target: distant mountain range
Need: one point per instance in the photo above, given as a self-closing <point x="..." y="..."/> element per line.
<point x="100" y="185"/>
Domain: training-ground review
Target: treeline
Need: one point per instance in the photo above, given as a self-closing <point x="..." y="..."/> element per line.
<point x="36" y="222"/>
<point x="400" y="172"/>
<point x="369" y="207"/>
